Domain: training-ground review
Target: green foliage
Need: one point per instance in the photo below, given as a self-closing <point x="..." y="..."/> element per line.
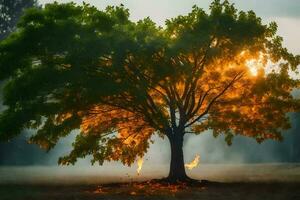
<point x="76" y="68"/>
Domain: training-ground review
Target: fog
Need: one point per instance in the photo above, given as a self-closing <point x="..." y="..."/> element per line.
<point x="210" y="149"/>
<point x="111" y="173"/>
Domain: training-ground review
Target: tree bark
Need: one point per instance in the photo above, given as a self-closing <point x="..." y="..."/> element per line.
<point x="177" y="169"/>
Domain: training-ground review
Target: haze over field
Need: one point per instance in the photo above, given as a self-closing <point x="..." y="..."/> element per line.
<point x="111" y="173"/>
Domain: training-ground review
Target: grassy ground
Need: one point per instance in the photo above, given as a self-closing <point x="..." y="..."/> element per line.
<point x="224" y="191"/>
<point x="234" y="182"/>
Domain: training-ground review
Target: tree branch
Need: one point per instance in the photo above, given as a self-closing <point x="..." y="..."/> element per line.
<point x="236" y="77"/>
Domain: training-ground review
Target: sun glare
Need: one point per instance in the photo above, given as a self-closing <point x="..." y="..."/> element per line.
<point x="255" y="64"/>
<point x="252" y="65"/>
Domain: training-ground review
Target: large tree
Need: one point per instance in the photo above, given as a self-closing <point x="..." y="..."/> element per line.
<point x="119" y="82"/>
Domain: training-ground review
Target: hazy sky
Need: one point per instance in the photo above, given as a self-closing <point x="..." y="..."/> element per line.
<point x="160" y="9"/>
<point x="285" y="12"/>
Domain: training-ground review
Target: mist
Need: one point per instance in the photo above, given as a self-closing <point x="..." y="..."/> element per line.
<point x="211" y="150"/>
<point x="18" y="152"/>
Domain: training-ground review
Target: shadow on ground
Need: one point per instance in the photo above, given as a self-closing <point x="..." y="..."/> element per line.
<point x="224" y="191"/>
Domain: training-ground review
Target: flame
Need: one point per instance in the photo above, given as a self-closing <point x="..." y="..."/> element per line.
<point x="194" y="163"/>
<point x="140" y="162"/>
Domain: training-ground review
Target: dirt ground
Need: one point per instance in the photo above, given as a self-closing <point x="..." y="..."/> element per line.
<point x="230" y="182"/>
<point x="224" y="191"/>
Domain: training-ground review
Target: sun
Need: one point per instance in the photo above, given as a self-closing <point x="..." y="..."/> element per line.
<point x="252" y="66"/>
<point x="254" y="63"/>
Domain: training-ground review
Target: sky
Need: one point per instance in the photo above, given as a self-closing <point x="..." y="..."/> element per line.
<point x="285" y="12"/>
<point x="287" y="15"/>
<point x="162" y="9"/>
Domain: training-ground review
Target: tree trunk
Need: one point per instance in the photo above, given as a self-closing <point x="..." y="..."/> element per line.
<point x="177" y="169"/>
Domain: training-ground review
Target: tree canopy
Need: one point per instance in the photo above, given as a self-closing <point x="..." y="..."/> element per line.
<point x="118" y="82"/>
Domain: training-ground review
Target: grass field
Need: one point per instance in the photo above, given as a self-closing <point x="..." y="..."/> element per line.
<point x="225" y="191"/>
<point x="232" y="182"/>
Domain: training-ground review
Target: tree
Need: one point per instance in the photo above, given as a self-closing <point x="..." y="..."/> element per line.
<point x="11" y="11"/>
<point x="119" y="82"/>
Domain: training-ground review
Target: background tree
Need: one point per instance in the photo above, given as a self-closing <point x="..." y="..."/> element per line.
<point x="119" y="82"/>
<point x="10" y="12"/>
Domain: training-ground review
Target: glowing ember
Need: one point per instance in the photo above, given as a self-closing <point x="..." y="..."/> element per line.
<point x="140" y="164"/>
<point x="99" y="190"/>
<point x="194" y="163"/>
<point x="141" y="189"/>
<point x="156" y="188"/>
